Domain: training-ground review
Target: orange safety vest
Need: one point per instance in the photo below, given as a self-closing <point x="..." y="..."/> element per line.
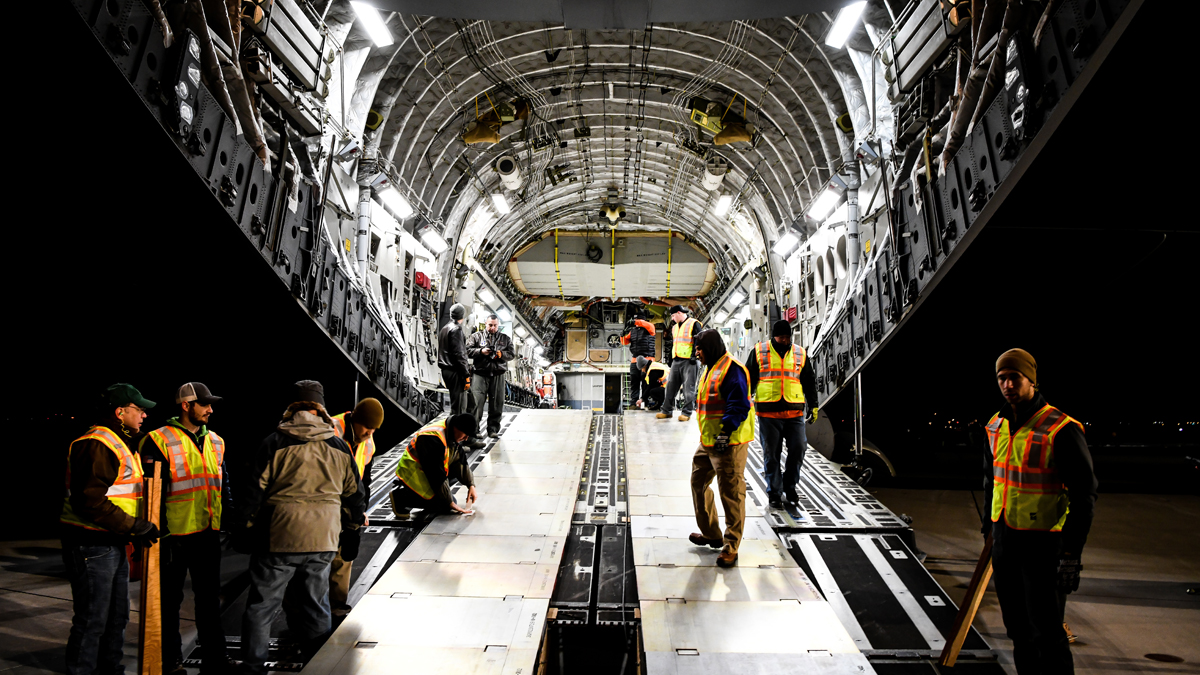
<point x="126" y="490"/>
<point x="194" y="490"/>
<point x="710" y="407"/>
<point x="681" y="338"/>
<point x="363" y="452"/>
<point x="779" y="378"/>
<point x="1026" y="488"/>
<point x="409" y="470"/>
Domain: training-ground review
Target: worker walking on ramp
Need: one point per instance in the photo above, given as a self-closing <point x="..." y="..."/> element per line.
<point x="725" y="416"/>
<point x="685" y="365"/>
<point x="1041" y="491"/>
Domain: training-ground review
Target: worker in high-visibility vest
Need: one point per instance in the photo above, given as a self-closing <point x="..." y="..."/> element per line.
<point x="357" y="427"/>
<point x="654" y="382"/>
<point x="102" y="511"/>
<point x="1042" y="494"/>
<point x="685" y="364"/>
<point x="434" y="456"/>
<point x="193" y="473"/>
<point x="726" y="419"/>
<point x="783" y="383"/>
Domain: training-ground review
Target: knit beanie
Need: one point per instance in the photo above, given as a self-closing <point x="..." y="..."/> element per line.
<point x="457" y="311"/>
<point x="642" y="362"/>
<point x="781" y="328"/>
<point x="308" y="390"/>
<point x="369" y="413"/>
<point x="1020" y="361"/>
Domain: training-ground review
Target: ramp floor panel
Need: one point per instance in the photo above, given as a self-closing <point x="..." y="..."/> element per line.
<point x="514" y="550"/>
<point x="481" y="580"/>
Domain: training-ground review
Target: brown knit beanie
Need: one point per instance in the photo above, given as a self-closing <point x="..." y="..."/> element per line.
<point x="1020" y="361"/>
<point x="369" y="413"/>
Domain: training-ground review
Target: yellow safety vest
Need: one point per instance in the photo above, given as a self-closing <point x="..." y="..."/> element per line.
<point x="710" y="407"/>
<point x="655" y="372"/>
<point x="409" y="470"/>
<point x="779" y="378"/>
<point x="363" y="452"/>
<point x="1027" y="488"/>
<point x="194" y="489"/>
<point x="126" y="490"/>
<point x="681" y="340"/>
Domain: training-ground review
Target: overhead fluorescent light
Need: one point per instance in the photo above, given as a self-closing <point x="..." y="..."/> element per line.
<point x="824" y="203"/>
<point x="396" y="202"/>
<point x="544" y="363"/>
<point x="485" y="295"/>
<point x="785" y="244"/>
<point x="504" y="314"/>
<point x="433" y="241"/>
<point x="500" y="203"/>
<point x="847" y="19"/>
<point x="373" y="23"/>
<point x="723" y="204"/>
<point x="721" y="316"/>
<point x="539" y="350"/>
<point x="520" y="331"/>
<point x="735" y="299"/>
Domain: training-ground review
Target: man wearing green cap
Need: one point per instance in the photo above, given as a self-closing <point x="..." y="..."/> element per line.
<point x="357" y="427"/>
<point x="1041" y="492"/>
<point x="101" y="513"/>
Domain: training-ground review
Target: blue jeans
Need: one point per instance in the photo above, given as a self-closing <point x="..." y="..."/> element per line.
<point x="99" y="577"/>
<point x="269" y="577"/>
<point x="774" y="432"/>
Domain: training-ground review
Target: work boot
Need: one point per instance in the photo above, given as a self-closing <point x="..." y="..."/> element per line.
<point x="774" y="500"/>
<point x="493" y="434"/>
<point x="700" y="540"/>
<point x="727" y="558"/>
<point x="662" y="416"/>
<point x="684" y="418"/>
<point x="790" y="496"/>
<point x="475" y="443"/>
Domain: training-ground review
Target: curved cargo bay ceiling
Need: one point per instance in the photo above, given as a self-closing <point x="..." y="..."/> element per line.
<point x="609" y="110"/>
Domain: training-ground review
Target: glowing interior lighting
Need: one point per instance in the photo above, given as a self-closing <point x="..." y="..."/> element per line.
<point x="433" y="240"/>
<point x="785" y="244"/>
<point x="486" y="295"/>
<point x="539" y="350"/>
<point x="374" y="25"/>
<point x="723" y="204"/>
<point x="500" y="203"/>
<point x="735" y="299"/>
<point x="846" y="19"/>
<point x="721" y="316"/>
<point x="504" y="314"/>
<point x="544" y="363"/>
<point x="520" y="331"/>
<point x="396" y="202"/>
<point x="824" y="204"/>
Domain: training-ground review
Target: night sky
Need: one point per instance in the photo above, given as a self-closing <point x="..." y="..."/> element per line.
<point x="120" y="275"/>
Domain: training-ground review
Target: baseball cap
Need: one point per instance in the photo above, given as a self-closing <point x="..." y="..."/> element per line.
<point x="195" y="391"/>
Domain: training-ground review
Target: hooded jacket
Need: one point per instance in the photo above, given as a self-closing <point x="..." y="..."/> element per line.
<point x="303" y="488"/>
<point x="734" y="389"/>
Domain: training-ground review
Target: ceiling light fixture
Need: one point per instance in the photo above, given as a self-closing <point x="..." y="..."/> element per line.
<point x="485" y="295"/>
<point x="847" y="19"/>
<point x="723" y="204"/>
<point x="433" y="241"/>
<point x="396" y="202"/>
<point x="785" y="244"/>
<point x="372" y="23"/>
<point x="520" y="331"/>
<point x="504" y="314"/>
<point x="721" y="316"/>
<point x="539" y="350"/>
<point x="500" y="203"/>
<point x="824" y="204"/>
<point x="735" y="299"/>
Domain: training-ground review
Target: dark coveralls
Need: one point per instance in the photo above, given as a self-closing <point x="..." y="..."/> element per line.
<point x="1025" y="562"/>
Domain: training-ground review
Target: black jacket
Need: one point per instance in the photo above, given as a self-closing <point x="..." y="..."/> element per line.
<point x="1074" y="463"/>
<point x="808" y="382"/>
<point x="452" y="350"/>
<point x="640" y="338"/>
<point x="490" y="364"/>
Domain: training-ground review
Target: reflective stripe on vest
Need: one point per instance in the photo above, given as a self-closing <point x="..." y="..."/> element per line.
<point x="710" y="407"/>
<point x="126" y="490"/>
<point x="363" y="452"/>
<point x="194" y="489"/>
<point x="409" y="470"/>
<point x="1026" y="486"/>
<point x="779" y="378"/>
<point x="681" y="340"/>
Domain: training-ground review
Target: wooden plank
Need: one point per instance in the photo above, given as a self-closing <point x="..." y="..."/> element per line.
<point x="150" y="627"/>
<point x="969" y="606"/>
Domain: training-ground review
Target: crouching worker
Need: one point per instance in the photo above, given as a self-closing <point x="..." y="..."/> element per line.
<point x="432" y="458"/>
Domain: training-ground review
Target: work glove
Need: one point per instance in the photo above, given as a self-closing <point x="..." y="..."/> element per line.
<point x="144" y="532"/>
<point x="349" y="542"/>
<point x="812" y="415"/>
<point x="721" y="444"/>
<point x="1068" y="574"/>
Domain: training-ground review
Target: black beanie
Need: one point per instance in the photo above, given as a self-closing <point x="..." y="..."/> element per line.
<point x="308" y="390"/>
<point x="781" y="328"/>
<point x="464" y="422"/>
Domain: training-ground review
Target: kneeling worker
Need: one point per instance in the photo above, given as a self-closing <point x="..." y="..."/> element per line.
<point x="357" y="428"/>
<point x="432" y="458"/>
<point x="724" y="413"/>
<point x="654" y="382"/>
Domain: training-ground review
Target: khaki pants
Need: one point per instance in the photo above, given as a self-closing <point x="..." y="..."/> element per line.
<point x="729" y="470"/>
<point x="339" y="580"/>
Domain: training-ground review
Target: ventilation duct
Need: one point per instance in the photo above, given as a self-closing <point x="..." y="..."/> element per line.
<point x="715" y="169"/>
<point x="510" y="172"/>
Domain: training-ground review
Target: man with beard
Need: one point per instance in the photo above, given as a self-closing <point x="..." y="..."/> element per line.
<point x="193" y="458"/>
<point x="490" y="351"/>
<point x="782" y="381"/>
<point x="685" y="365"/>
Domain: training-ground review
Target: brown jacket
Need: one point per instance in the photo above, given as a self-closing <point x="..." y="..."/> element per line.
<point x="305" y="489"/>
<point x="93" y="469"/>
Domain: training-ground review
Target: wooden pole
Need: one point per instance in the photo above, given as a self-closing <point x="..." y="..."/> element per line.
<point x="150" y="628"/>
<point x="969" y="606"/>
